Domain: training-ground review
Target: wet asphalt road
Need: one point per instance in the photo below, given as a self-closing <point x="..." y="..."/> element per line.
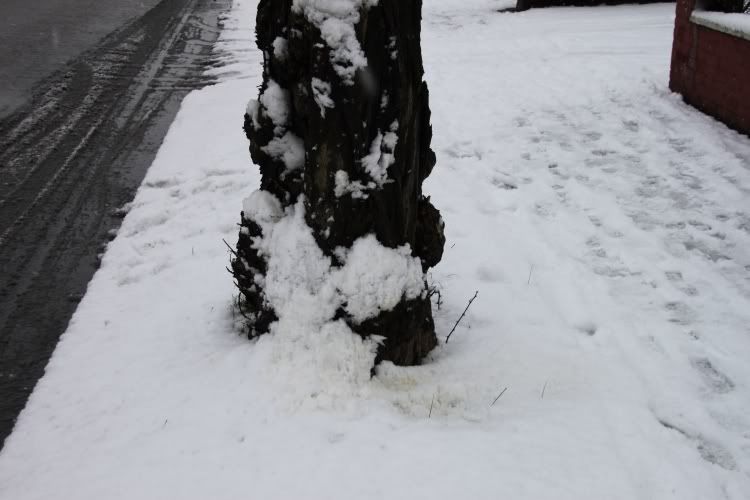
<point x="88" y="89"/>
<point x="37" y="38"/>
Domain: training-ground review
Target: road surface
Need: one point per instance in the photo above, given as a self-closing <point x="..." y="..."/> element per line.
<point x="88" y="90"/>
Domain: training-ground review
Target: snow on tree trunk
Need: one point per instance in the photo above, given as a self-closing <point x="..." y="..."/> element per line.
<point x="340" y="231"/>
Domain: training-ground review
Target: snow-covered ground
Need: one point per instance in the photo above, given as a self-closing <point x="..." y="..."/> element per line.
<point x="605" y="224"/>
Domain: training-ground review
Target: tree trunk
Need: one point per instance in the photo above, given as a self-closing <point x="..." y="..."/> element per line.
<point x="343" y="124"/>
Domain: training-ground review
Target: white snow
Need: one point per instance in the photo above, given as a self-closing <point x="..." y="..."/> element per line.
<point x="381" y="155"/>
<point x="375" y="163"/>
<point x="734" y="24"/>
<point x="357" y="189"/>
<point x="605" y="223"/>
<point x="305" y="289"/>
<point x="322" y="95"/>
<point x="276" y="101"/>
<point x="289" y="148"/>
<point x="286" y="146"/>
<point x="336" y="20"/>
<point x="262" y="207"/>
<point x="374" y="278"/>
<point x="252" y="109"/>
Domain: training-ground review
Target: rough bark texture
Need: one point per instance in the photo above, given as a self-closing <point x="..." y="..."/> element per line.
<point x="386" y="96"/>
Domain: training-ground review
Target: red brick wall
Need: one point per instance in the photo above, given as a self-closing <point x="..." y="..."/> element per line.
<point x="711" y="70"/>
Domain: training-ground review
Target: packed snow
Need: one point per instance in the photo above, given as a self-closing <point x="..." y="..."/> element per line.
<point x="605" y="224"/>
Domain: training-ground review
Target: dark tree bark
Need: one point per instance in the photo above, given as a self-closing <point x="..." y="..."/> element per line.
<point x="365" y="130"/>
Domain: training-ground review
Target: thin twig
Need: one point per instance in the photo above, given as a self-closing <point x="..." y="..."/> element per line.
<point x="433" y="402"/>
<point x="434" y="291"/>
<point x="544" y="388"/>
<point x="241" y="310"/>
<point x="499" y="396"/>
<point x="531" y="270"/>
<point x="461" y="317"/>
<point x="231" y="250"/>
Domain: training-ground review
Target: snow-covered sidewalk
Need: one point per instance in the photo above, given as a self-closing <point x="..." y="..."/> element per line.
<point x="605" y="224"/>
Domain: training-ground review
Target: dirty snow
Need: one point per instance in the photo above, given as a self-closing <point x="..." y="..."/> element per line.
<point x="605" y="224"/>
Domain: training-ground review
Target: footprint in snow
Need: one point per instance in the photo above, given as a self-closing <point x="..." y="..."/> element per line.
<point x="592" y="136"/>
<point x="631" y="125"/>
<point x="690" y="291"/>
<point x="679" y="145"/>
<point x="543" y="210"/>
<point x="712" y="377"/>
<point x="676" y="278"/>
<point x="743" y="223"/>
<point x="673" y="276"/>
<point x="597" y="162"/>
<point x="161" y="184"/>
<point x="722" y="217"/>
<point x="710" y="451"/>
<point x="691" y="181"/>
<point x="680" y="313"/>
<point x="613" y="271"/>
<point x="503" y="183"/>
<point x="463" y="150"/>
<point x="702" y="248"/>
<point x="587" y="328"/>
<point x="644" y="220"/>
<point x="487" y="274"/>
<point x="702" y="226"/>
